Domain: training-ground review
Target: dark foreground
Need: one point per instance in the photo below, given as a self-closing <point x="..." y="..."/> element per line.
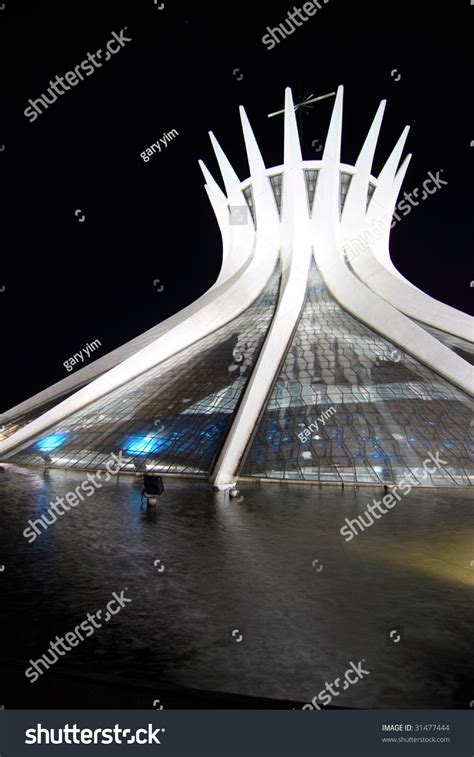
<point x="250" y="603"/>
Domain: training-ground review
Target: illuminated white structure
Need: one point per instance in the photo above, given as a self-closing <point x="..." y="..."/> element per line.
<point x="306" y="327"/>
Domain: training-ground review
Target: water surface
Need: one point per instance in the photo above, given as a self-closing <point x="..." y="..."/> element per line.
<point x="273" y="568"/>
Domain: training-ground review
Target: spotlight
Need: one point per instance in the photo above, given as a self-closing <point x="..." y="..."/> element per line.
<point x="152" y="487"/>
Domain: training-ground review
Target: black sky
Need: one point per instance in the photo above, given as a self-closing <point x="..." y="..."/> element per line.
<point x="68" y="283"/>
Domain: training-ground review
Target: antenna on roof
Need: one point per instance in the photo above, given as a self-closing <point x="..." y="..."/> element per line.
<point x="305" y="104"/>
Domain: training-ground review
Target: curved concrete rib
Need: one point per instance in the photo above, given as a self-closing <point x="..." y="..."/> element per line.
<point x="254" y="262"/>
<point x="218" y="201"/>
<point x="238" y="244"/>
<point x="381" y="251"/>
<point x="355" y="206"/>
<point x="250" y="254"/>
<point x="265" y="208"/>
<point x="409" y="299"/>
<point x="228" y="302"/>
<point x="296" y="257"/>
<point x="353" y="295"/>
<point x="376" y="224"/>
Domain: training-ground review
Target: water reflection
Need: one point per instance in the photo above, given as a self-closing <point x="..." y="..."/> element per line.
<point x="248" y="565"/>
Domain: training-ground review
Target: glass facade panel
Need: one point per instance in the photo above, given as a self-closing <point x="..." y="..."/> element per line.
<point x="460" y="346"/>
<point x="248" y="194"/>
<point x="174" y="417"/>
<point x="349" y="406"/>
<point x="311" y="181"/>
<point x="19" y="421"/>
<point x="276" y="182"/>
<point x="370" y="192"/>
<point x="346" y="179"/>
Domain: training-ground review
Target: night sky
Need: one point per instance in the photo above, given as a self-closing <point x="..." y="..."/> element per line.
<point x="68" y="282"/>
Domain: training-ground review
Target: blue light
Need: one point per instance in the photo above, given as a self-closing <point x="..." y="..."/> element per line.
<point x="50" y="443"/>
<point x="144" y="445"/>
